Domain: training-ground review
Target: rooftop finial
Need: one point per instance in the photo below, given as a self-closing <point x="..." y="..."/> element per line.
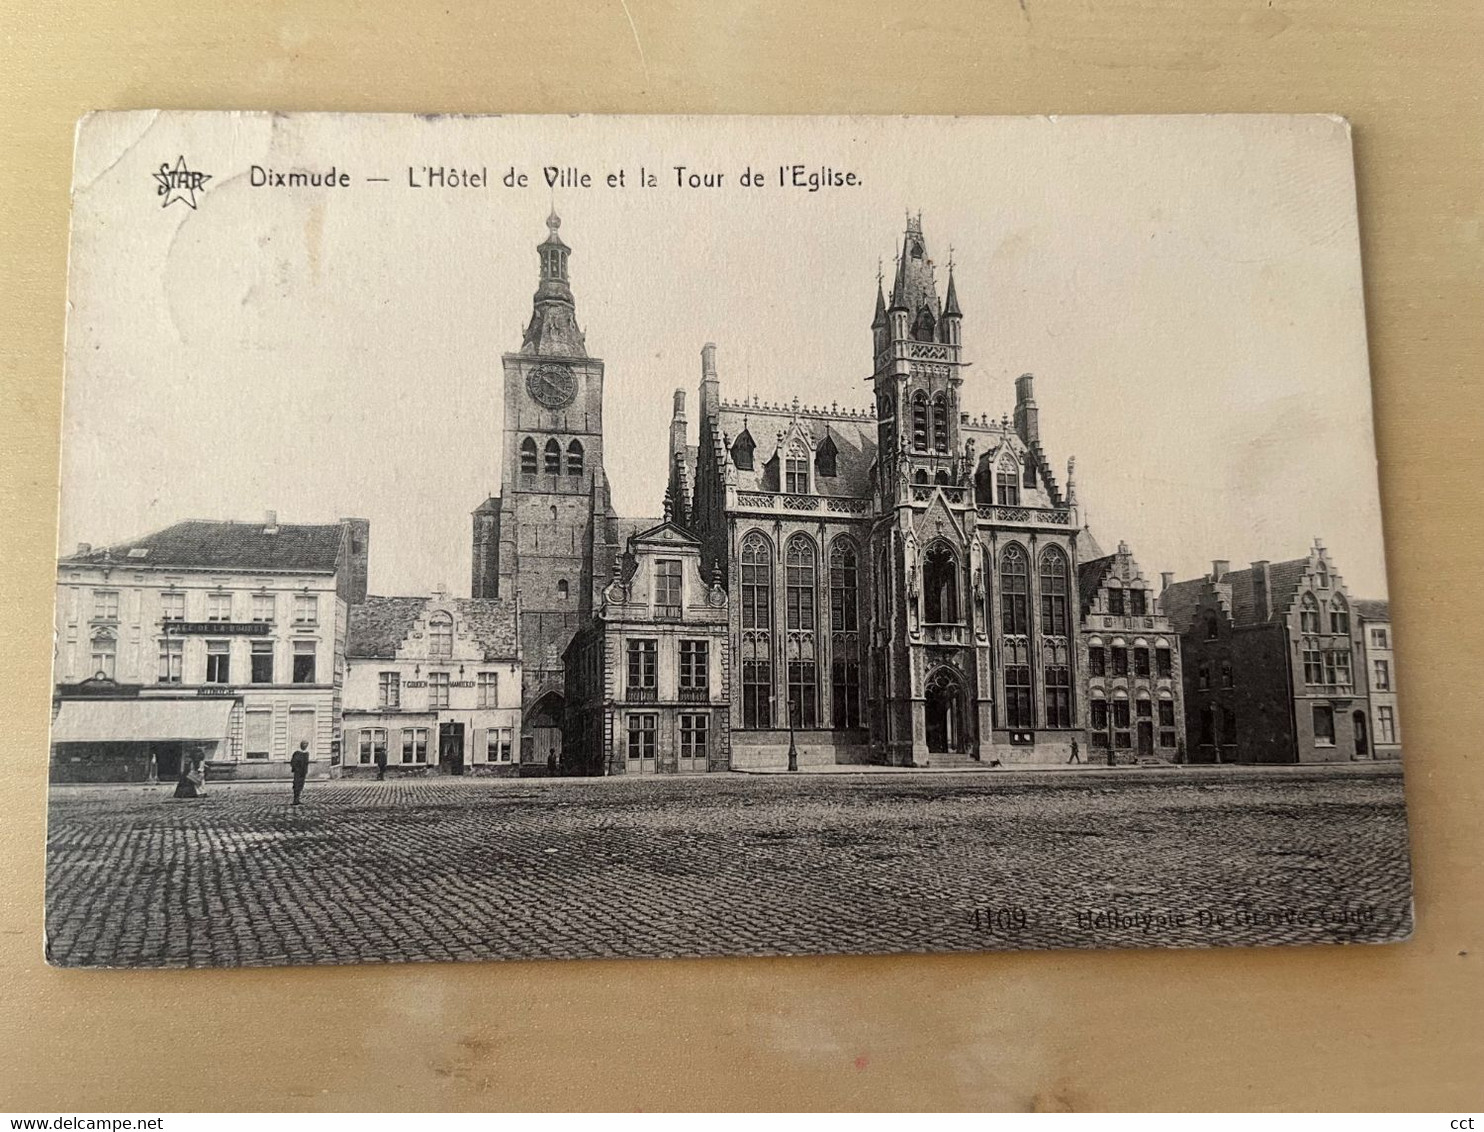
<point x="553" y="221"/>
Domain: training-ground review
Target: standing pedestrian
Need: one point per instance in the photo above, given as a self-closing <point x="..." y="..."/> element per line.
<point x="551" y="762"/>
<point x="380" y="762"/>
<point x="1076" y="754"/>
<point x="299" y="764"/>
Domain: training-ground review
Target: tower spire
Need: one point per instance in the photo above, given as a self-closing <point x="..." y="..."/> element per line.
<point x="553" y="327"/>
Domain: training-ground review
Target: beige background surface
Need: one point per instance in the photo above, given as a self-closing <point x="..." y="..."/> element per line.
<point x="1395" y="1027"/>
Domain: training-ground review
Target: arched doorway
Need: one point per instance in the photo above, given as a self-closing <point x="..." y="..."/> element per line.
<point x="944" y="712"/>
<point x="543" y="731"/>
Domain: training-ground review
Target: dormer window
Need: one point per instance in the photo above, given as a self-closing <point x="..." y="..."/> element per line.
<point x="825" y="456"/>
<point x="742" y="450"/>
<point x="796" y="471"/>
<point x="1007" y="484"/>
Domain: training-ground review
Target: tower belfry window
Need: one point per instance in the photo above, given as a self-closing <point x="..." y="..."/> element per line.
<point x="940" y="423"/>
<point x="528" y="456"/>
<point x="553" y="458"/>
<point x="919" y="422"/>
<point x="574" y="458"/>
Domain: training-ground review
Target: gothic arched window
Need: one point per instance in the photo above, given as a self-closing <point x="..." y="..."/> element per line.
<point x="940" y="423"/>
<point x="1007" y="483"/>
<point x="440" y="636"/>
<point x="553" y="458"/>
<point x="757" y="623"/>
<point x="941" y="477"/>
<point x="1015" y="617"/>
<point x="574" y="458"/>
<point x="940" y="586"/>
<point x="757" y="582"/>
<point x="919" y="421"/>
<point x="1323" y="573"/>
<point x="528" y="456"/>
<point x="920" y="476"/>
<point x="1213" y="627"/>
<point x="1054" y="594"/>
<point x="799" y="562"/>
<point x="799" y="569"/>
<point x="844" y="587"/>
<point x="1339" y="616"/>
<point x="1309" y="614"/>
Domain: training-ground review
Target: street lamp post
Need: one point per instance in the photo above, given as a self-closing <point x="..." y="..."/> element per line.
<point x="793" y="748"/>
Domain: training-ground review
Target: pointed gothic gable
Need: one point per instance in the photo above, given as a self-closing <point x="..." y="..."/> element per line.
<point x="939" y="521"/>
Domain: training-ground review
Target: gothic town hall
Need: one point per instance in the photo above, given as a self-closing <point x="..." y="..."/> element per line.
<point x="902" y="583"/>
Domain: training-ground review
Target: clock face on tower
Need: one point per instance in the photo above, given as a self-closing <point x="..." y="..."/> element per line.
<point x="552" y="385"/>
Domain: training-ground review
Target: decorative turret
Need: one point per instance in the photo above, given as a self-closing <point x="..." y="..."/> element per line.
<point x="1027" y="416"/>
<point x="553" y="327"/>
<point x="952" y="326"/>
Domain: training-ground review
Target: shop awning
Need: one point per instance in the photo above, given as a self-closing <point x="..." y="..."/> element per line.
<point x="144" y="720"/>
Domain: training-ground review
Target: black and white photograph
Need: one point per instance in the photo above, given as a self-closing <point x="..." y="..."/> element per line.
<point x="580" y="537"/>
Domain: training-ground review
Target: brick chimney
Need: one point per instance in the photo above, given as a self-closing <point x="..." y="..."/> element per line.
<point x="1220" y="568"/>
<point x="1262" y="590"/>
<point x="84" y="548"/>
<point x="357" y="565"/>
<point x="1027" y="416"/>
<point x="710" y="383"/>
<point x="270" y="523"/>
<point x="1166" y="580"/>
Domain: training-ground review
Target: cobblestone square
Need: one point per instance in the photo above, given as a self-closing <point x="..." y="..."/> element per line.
<point x="729" y="864"/>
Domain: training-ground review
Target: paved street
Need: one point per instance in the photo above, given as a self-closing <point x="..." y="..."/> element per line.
<point x="724" y="865"/>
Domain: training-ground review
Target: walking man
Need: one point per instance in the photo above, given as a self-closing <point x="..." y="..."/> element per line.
<point x="299" y="764"/>
<point x="381" y="762"/>
<point x="1076" y="754"/>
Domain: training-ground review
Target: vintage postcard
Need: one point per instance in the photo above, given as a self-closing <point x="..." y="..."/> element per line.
<point x="568" y="537"/>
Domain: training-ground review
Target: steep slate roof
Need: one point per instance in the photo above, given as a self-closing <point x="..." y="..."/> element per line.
<point x="1090" y="577"/>
<point x="1372" y="609"/>
<point x="1237" y="595"/>
<point x="216" y="545"/>
<point x="379" y="625"/>
<point x="854" y="437"/>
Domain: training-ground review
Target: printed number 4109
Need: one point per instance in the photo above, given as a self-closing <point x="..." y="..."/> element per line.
<point x="1008" y="919"/>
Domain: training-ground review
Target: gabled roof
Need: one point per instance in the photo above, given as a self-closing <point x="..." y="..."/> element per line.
<point x="207" y="544"/>
<point x="1090" y="577"/>
<point x="666" y="533"/>
<point x="1237" y="595"/>
<point x="1372" y="609"/>
<point x="379" y="625"/>
<point x="1180" y="600"/>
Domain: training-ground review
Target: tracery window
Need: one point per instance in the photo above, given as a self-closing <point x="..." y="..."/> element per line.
<point x="1054" y="588"/>
<point x="553" y="458"/>
<point x="1014" y="591"/>
<point x="844" y="588"/>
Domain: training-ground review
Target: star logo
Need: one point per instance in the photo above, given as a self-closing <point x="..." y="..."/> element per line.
<point x="179" y="183"/>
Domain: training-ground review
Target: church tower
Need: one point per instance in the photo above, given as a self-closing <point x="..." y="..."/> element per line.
<point x="533" y="544"/>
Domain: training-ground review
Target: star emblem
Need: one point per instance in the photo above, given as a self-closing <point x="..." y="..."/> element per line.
<point x="179" y="183"/>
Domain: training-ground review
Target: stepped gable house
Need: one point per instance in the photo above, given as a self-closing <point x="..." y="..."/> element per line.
<point x="433" y="686"/>
<point x="1271" y="655"/>
<point x="218" y="640"/>
<point x="1131" y="654"/>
